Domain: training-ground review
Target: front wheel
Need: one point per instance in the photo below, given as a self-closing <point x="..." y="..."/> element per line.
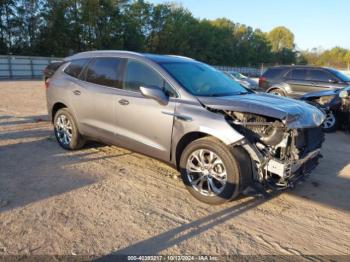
<point x="331" y="122"/>
<point x="210" y="171"/>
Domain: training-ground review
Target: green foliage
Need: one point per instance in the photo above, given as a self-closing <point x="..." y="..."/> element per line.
<point x="281" y="38"/>
<point x="336" y="57"/>
<point x="7" y="25"/>
<point x="63" y="27"/>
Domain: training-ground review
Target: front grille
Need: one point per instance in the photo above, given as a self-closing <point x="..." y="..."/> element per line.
<point x="308" y="140"/>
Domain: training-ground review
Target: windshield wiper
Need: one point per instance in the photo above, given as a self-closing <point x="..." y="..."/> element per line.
<point x="228" y="94"/>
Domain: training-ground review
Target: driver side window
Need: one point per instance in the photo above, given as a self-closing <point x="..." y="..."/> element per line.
<point x="138" y="74"/>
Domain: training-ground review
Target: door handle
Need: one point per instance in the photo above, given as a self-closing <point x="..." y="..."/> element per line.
<point x="77" y="92"/>
<point x="123" y="102"/>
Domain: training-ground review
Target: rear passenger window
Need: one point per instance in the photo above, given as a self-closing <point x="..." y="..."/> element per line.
<point x="104" y="71"/>
<point x="138" y="74"/>
<point x="75" y="67"/>
<point x="319" y="75"/>
<point x="298" y="74"/>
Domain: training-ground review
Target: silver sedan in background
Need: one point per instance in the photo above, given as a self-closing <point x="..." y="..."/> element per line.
<point x="243" y="80"/>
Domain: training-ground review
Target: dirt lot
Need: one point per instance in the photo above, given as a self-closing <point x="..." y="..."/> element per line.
<point x="103" y="199"/>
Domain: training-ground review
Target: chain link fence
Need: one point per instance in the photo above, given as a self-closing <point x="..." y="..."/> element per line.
<point x="247" y="71"/>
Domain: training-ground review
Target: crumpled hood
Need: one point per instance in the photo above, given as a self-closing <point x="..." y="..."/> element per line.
<point x="319" y="94"/>
<point x="294" y="113"/>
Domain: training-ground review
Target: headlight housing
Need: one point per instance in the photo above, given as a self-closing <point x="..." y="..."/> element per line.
<point x="344" y="94"/>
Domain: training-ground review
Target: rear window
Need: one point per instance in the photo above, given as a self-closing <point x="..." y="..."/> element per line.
<point x="52" y="68"/>
<point x="274" y="72"/>
<point x="75" y="67"/>
<point x="104" y="71"/>
<point x="54" y="65"/>
<point x="297" y="74"/>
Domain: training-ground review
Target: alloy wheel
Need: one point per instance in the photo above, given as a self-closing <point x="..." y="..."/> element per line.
<point x="64" y="130"/>
<point x="330" y="120"/>
<point x="206" y="172"/>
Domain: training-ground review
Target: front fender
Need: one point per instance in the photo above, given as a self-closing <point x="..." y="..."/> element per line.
<point x="197" y="119"/>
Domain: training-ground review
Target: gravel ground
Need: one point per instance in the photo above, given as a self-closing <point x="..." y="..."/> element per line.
<point x="106" y="200"/>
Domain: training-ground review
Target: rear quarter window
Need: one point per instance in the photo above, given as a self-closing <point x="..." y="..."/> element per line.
<point x="75" y="67"/>
<point x="274" y="72"/>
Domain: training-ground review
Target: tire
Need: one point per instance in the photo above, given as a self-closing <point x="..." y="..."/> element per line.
<point x="277" y="91"/>
<point x="66" y="131"/>
<point x="331" y="122"/>
<point x="234" y="177"/>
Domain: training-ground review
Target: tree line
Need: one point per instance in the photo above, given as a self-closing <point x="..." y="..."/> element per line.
<point x="63" y="27"/>
<point x="336" y="57"/>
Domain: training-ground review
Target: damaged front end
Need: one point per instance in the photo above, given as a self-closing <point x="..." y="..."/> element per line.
<point x="280" y="154"/>
<point x="282" y="136"/>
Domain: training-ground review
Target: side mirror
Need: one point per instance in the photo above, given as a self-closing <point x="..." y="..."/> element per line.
<point x="155" y="93"/>
<point x="344" y="94"/>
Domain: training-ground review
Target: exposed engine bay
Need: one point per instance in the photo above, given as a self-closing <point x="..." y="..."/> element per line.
<point x="279" y="152"/>
<point x="282" y="136"/>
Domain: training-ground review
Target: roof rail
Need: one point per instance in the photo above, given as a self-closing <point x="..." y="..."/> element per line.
<point x="117" y="51"/>
<point x="101" y="51"/>
<point x="180" y="56"/>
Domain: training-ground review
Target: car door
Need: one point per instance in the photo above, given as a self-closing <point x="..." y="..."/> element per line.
<point x="321" y="80"/>
<point x="297" y="83"/>
<point x="97" y="94"/>
<point x="143" y="124"/>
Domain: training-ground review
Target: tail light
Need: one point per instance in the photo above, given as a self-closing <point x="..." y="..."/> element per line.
<point x="47" y="83"/>
<point x="262" y="80"/>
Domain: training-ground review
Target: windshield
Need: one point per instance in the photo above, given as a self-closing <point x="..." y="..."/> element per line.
<point x="202" y="80"/>
<point x="341" y="76"/>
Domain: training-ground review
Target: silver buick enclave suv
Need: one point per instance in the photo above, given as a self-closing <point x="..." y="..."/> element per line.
<point x="220" y="136"/>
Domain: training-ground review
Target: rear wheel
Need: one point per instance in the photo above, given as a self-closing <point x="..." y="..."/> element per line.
<point x="331" y="123"/>
<point x="278" y="92"/>
<point x="66" y="130"/>
<point x="210" y="171"/>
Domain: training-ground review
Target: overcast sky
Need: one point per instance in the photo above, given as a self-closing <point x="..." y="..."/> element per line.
<point x="315" y="23"/>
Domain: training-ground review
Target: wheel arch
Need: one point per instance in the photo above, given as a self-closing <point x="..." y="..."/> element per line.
<point x="276" y="87"/>
<point x="184" y="141"/>
<point x="195" y="135"/>
<point x="57" y="106"/>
